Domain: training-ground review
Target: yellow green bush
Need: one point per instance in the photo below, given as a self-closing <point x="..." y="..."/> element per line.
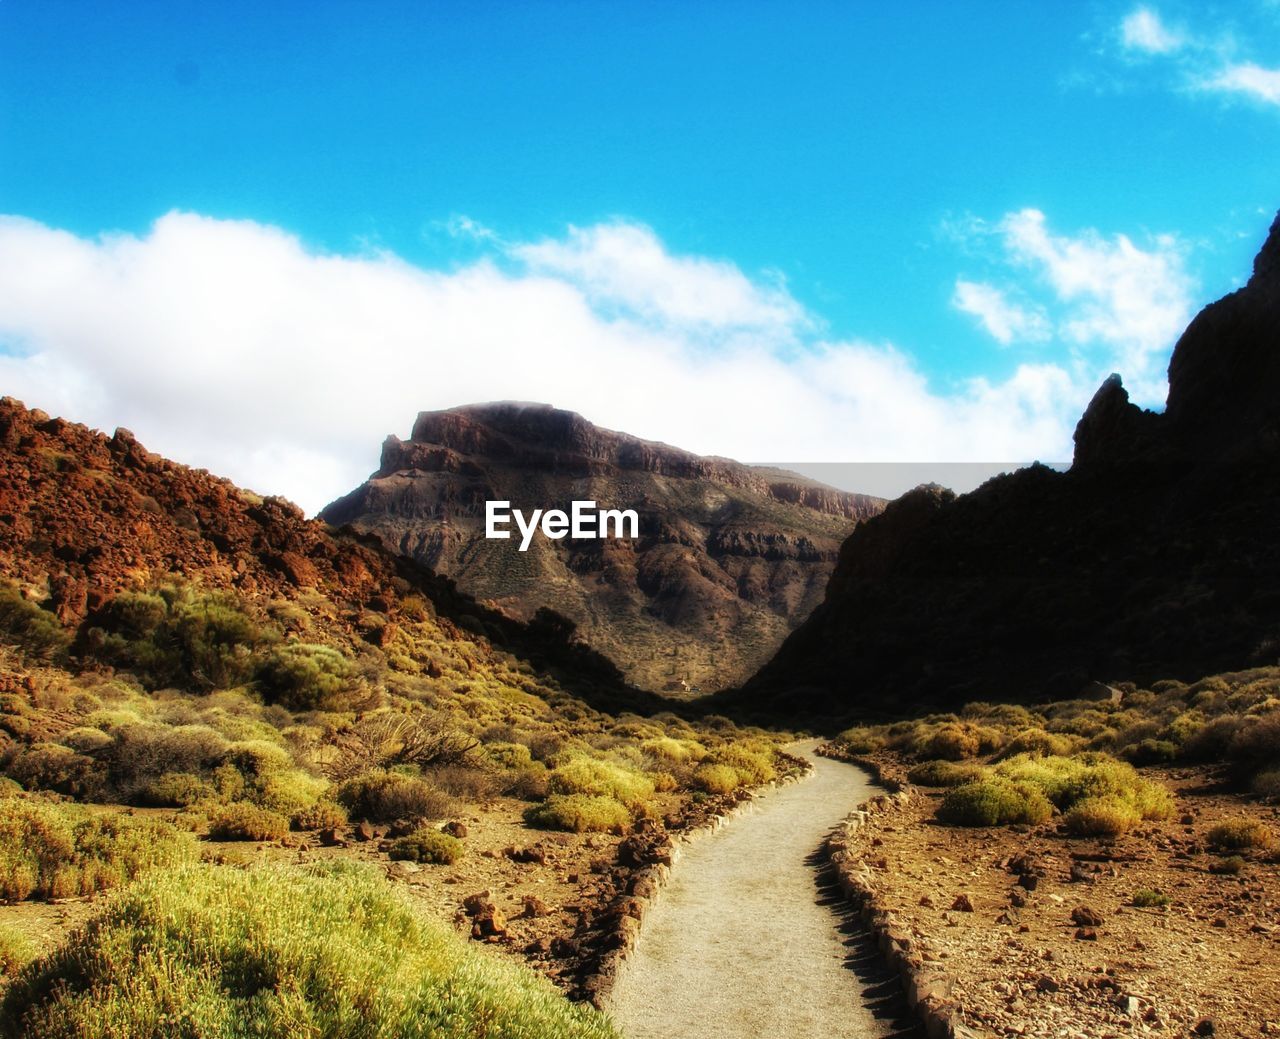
<point x="246" y="822"/>
<point x="994" y="801"/>
<point x="1241" y="834"/>
<point x="428" y="845"/>
<point x="1106" y="816"/>
<point x="716" y="779"/>
<point x="945" y="773"/>
<point x="178" y="790"/>
<point x="16" y="950"/>
<point x="580" y="813"/>
<point x="57" y="851"/>
<point x="33" y="630"/>
<point x="327" y="953"/>
<point x="323" y="815"/>
<point x="596" y="778"/>
<point x="383" y="796"/>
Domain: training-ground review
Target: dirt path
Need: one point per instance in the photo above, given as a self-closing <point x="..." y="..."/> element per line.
<point x="749" y="939"/>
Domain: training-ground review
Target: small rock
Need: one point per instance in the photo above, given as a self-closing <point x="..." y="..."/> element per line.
<point x="1084" y="916"/>
<point x="926" y="901"/>
<point x="455" y="829"/>
<point x="364" y="831"/>
<point x="1029" y="881"/>
<point x="962" y="904"/>
<point x="1086" y="934"/>
<point x="333" y="838"/>
<point x="1047" y="984"/>
<point x="534" y="906"/>
<point x="1204" y="1026"/>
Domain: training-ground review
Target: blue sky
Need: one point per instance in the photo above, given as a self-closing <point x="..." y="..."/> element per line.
<point x="820" y="231"/>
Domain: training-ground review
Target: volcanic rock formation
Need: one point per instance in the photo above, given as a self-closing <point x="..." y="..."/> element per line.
<point x="728" y="560"/>
<point x="1154" y="556"/>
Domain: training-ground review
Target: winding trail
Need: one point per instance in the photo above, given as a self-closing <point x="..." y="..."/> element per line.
<point x="749" y="939"/>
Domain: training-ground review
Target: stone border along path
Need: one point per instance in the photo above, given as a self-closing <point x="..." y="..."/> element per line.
<point x="752" y="937"/>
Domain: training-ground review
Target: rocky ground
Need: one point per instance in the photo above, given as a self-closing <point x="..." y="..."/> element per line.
<point x="1037" y="934"/>
<point x="559" y="902"/>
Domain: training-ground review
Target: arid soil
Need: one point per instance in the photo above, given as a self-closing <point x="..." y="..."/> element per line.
<point x="548" y="899"/>
<point x="1038" y="934"/>
<point x="741" y="942"/>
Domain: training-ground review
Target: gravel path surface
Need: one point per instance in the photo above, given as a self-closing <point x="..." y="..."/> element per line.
<point x="749" y="940"/>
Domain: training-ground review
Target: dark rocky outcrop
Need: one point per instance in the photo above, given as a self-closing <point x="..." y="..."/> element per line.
<point x="1154" y="556"/>
<point x="729" y="558"/>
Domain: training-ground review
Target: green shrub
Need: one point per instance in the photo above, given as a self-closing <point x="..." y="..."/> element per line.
<point x="673" y="751"/>
<point x="1267" y="784"/>
<point x="1146" y="898"/>
<point x="753" y="764"/>
<point x="178" y="790"/>
<point x="596" y="778"/>
<point x="59" y="851"/>
<point x="580" y="813"/>
<point x="1101" y="817"/>
<point x="51" y="766"/>
<point x="428" y="845"/>
<point x="1240" y="834"/>
<point x="1255" y="745"/>
<point x="181" y="636"/>
<point x="1150" y="752"/>
<point x="323" y="815"/>
<point x="994" y="801"/>
<point x="246" y="822"/>
<point x="1069" y="781"/>
<point x="861" y="740"/>
<point x="951" y="743"/>
<point x="1036" y="743"/>
<point x="716" y="779"/>
<point x="33" y="630"/>
<point x="382" y="796"/>
<point x="1230" y="866"/>
<point x="304" y="677"/>
<point x="16" y="950"/>
<point x="945" y="773"/>
<point x="515" y="756"/>
<point x="273" y="953"/>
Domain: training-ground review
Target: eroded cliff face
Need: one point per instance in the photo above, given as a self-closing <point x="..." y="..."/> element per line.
<point x="1154" y="556"/>
<point x="728" y="560"/>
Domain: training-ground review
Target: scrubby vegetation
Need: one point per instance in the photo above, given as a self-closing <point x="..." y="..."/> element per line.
<point x="1241" y="834"/>
<point x="580" y="813"/>
<point x="994" y="801"/>
<point x="999" y="760"/>
<point x="428" y="845"/>
<point x="219" y="952"/>
<point x="50" y="850"/>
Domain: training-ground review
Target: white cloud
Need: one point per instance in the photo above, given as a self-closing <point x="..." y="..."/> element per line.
<point x="1144" y="30"/>
<point x="1003" y="319"/>
<point x="627" y="267"/>
<point x="229" y="345"/>
<point x="1254" y="81"/>
<point x="1205" y="61"/>
<point x="1116" y="301"/>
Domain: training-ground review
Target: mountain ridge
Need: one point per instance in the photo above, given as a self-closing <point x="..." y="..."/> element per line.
<point x="1152" y="557"/>
<point x="728" y="559"/>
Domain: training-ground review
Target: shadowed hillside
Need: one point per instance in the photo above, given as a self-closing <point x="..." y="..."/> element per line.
<point x="1154" y="556"/>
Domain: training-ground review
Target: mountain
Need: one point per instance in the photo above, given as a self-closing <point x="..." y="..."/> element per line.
<point x="1154" y="556"/>
<point x="729" y="557"/>
<point x="85" y="517"/>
